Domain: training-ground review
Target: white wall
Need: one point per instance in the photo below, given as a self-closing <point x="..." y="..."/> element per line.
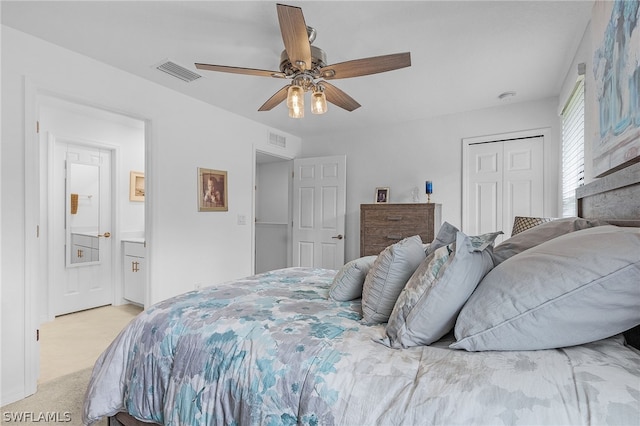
<point x="405" y="156"/>
<point x="184" y="134"/>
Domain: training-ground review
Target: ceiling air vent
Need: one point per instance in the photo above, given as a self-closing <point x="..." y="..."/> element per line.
<point x="178" y="71"/>
<point x="277" y="140"/>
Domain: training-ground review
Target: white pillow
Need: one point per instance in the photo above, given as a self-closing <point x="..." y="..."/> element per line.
<point x="576" y="288"/>
<point x="430" y="302"/>
<point x="387" y="277"/>
<point x="348" y="282"/>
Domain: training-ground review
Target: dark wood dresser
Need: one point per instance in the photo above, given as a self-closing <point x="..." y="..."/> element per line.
<point x="384" y="224"/>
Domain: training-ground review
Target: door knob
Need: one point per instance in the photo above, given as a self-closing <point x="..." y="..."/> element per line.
<point x="106" y="235"/>
<point x="338" y="237"/>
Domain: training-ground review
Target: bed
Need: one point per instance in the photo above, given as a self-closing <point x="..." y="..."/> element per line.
<point x="308" y="346"/>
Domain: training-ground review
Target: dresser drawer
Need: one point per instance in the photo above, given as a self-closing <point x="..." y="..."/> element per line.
<point x="384" y="224"/>
<point x="395" y="233"/>
<point x="394" y="216"/>
<point x="377" y="239"/>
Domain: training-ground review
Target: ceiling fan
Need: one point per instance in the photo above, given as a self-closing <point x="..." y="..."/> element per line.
<point x="306" y="66"/>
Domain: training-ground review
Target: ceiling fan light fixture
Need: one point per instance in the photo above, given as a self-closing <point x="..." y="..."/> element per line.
<point x="305" y="64"/>
<point x="295" y="97"/>
<point x="318" y="102"/>
<point x="295" y="112"/>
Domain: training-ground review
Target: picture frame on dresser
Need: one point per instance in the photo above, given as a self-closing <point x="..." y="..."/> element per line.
<point x="382" y="195"/>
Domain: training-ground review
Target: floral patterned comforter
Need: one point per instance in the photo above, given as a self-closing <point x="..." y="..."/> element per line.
<point x="273" y="350"/>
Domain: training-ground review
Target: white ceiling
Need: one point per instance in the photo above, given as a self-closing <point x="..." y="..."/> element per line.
<point x="464" y="53"/>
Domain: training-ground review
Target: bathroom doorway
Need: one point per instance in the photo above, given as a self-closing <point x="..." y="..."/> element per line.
<point x="86" y="137"/>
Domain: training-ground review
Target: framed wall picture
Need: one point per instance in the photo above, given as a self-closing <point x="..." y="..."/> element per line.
<point x="212" y="190"/>
<point x="616" y="71"/>
<point x="382" y="195"/>
<point x="136" y="186"/>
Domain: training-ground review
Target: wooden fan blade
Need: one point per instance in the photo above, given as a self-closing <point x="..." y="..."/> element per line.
<point x="294" y="35"/>
<point x="274" y="100"/>
<point x="239" y="70"/>
<point x="366" y="66"/>
<point x="338" y="97"/>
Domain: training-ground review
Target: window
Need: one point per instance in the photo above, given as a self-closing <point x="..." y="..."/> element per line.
<point x="572" y="148"/>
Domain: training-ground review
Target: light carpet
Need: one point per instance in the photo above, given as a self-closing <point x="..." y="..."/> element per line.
<point x="57" y="401"/>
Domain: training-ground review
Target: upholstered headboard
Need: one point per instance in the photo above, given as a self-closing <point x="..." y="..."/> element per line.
<point x="616" y="199"/>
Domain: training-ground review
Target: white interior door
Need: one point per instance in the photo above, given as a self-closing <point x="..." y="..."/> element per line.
<point x="504" y="179"/>
<point x="81" y="226"/>
<point x="523" y="180"/>
<point x="319" y="203"/>
<point x="485" y="188"/>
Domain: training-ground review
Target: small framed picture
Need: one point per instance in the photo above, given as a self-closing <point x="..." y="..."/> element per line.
<point x="212" y="190"/>
<point x="382" y="195"/>
<point x="136" y="186"/>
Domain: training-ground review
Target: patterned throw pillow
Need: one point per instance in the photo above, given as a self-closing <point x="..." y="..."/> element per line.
<point x="428" y="306"/>
<point x="522" y="223"/>
<point x="446" y="235"/>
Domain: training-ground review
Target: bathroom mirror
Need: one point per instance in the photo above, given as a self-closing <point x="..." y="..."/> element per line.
<point x="83" y="214"/>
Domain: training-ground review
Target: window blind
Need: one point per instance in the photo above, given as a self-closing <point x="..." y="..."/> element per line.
<point x="572" y="148"/>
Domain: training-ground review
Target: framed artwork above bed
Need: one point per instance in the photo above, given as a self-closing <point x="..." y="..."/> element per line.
<point x="616" y="73"/>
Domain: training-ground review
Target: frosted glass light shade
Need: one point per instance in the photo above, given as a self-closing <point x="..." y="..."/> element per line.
<point x="318" y="103"/>
<point x="295" y="97"/>
<point x="296" y="112"/>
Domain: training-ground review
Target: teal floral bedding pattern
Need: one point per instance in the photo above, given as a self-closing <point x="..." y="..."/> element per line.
<point x="272" y="349"/>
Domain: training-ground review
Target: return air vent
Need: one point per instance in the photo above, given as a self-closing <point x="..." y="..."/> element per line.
<point x="277" y="140"/>
<point x="178" y="71"/>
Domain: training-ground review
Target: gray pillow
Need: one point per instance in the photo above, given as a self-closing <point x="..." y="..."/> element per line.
<point x="446" y="235"/>
<point x="539" y="234"/>
<point x="348" y="282"/>
<point x="387" y="277"/>
<point x="430" y="302"/>
<point x="574" y="289"/>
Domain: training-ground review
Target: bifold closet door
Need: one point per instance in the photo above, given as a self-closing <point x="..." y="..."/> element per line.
<point x="504" y="179"/>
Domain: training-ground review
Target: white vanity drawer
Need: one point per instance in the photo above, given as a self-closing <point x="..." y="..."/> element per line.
<point x="133" y="267"/>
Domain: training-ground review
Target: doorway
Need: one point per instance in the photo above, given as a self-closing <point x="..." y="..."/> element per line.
<point x="272" y="212"/>
<point x="73" y="136"/>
